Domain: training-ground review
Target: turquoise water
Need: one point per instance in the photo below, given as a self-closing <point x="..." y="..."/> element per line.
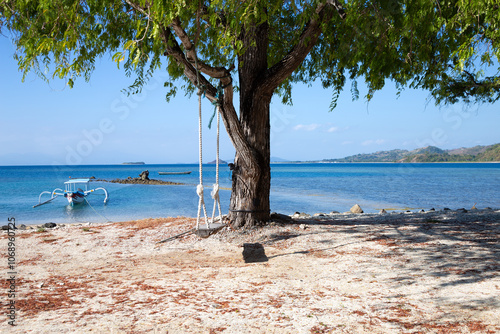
<point x="307" y="188"/>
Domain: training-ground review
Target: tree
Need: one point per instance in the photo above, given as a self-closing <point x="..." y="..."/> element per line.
<point x="259" y="49"/>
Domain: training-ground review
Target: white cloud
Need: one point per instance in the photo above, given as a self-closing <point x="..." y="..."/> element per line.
<point x="373" y="142"/>
<point x="306" y="127"/>
<point x="333" y="129"/>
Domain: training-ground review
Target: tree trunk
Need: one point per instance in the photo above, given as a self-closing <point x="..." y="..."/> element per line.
<point x="252" y="178"/>
<point x="252" y="181"/>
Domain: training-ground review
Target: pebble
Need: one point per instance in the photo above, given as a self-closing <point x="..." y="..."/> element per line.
<point x="356" y="209"/>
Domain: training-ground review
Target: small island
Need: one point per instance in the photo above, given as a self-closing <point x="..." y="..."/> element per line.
<point x="133" y="163"/>
<point x="221" y="162"/>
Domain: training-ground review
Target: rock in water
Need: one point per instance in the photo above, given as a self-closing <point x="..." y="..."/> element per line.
<point x="382" y="212"/>
<point x="356" y="209"/>
<point x="144" y="175"/>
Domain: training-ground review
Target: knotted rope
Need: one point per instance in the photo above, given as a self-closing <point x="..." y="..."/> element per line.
<point x="215" y="190"/>
<point x="199" y="188"/>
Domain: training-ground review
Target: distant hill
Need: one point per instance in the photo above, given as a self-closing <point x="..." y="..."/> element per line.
<point x="470" y="150"/>
<point x="381" y="156"/>
<point x="429" y="154"/>
<point x="492" y="153"/>
<point x="278" y="159"/>
<point x="221" y="162"/>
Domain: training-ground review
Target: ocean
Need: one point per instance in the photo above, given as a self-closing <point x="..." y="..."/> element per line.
<point x="310" y="188"/>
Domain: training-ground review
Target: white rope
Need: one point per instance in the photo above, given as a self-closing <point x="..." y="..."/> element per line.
<point x="107" y="220"/>
<point x="215" y="190"/>
<point x="199" y="188"/>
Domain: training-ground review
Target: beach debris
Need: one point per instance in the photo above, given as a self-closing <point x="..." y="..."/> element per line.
<point x="302" y="226"/>
<point x="177" y="236"/>
<point x="301" y="215"/>
<point x="356" y="209"/>
<point x="474" y="207"/>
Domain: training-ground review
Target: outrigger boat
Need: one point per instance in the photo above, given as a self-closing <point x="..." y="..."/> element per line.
<point x="73" y="193"/>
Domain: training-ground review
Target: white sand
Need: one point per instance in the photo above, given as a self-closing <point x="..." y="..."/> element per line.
<point x="396" y="273"/>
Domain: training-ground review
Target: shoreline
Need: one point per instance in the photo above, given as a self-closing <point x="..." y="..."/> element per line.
<point x="352" y="273"/>
<point x="297" y="215"/>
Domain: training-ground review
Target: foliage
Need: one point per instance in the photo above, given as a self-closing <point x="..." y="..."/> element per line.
<point x="439" y="45"/>
<point x="438" y="157"/>
<point x="381" y="156"/>
<point x="491" y="154"/>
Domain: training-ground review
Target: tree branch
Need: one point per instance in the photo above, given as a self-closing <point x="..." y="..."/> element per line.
<point x="214" y="72"/>
<point x="221" y="20"/>
<point x="228" y="112"/>
<point x="283" y="69"/>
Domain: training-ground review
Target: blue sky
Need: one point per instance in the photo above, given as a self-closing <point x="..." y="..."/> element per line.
<point x="95" y="123"/>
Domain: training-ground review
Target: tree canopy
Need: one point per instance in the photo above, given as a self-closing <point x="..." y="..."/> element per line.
<point x="439" y="45"/>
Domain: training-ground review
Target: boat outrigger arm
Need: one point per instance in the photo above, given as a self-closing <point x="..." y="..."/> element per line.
<point x="73" y="194"/>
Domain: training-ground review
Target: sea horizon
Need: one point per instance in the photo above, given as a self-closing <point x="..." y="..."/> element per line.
<point x="272" y="163"/>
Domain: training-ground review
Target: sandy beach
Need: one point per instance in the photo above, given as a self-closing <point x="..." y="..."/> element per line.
<point x="432" y="272"/>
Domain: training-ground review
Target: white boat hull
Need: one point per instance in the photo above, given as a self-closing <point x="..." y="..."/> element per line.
<point x="74" y="198"/>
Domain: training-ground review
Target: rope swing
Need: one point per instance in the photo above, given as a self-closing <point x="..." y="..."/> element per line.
<point x="200" y="188"/>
